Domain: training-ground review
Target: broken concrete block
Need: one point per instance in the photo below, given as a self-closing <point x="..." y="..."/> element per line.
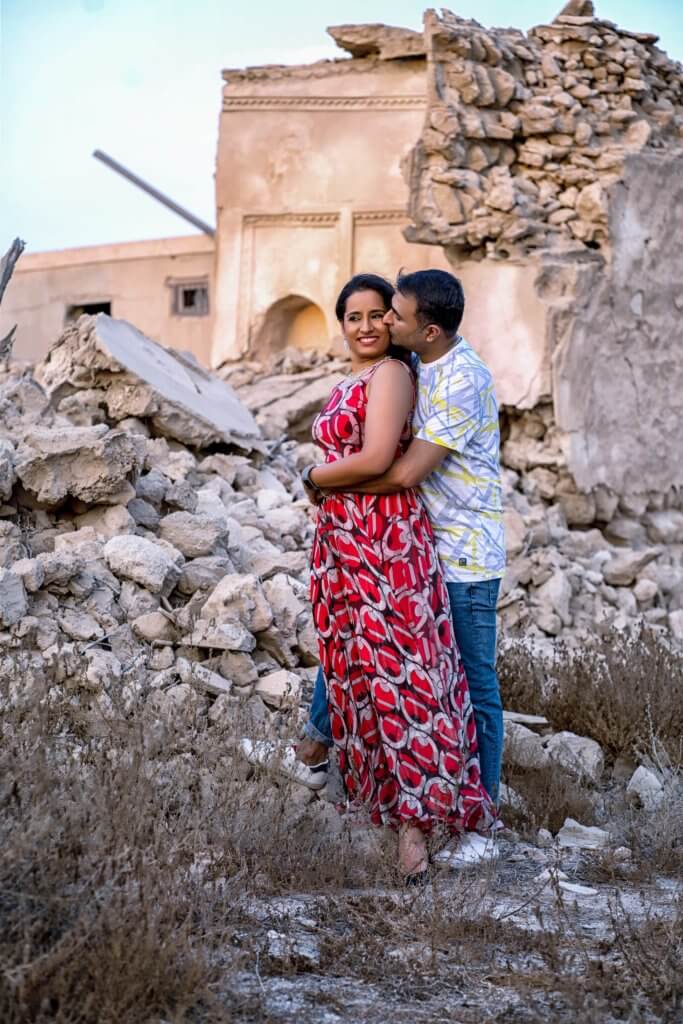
<point x="623" y="569"/>
<point x="90" y="463"/>
<point x="181" y="496"/>
<point x="238" y="597"/>
<point x="279" y="688"/>
<point x="12" y="545"/>
<point x="173" y="463"/>
<point x="79" y="625"/>
<point x="13" y="603"/>
<point x="144" y="513"/>
<point x="143" y="379"/>
<point x="524" y="748"/>
<point x="578" y="755"/>
<point x="142" y="561"/>
<point x="59" y="568"/>
<point x="151" y="487"/>
<point x="30" y="571"/>
<point x="238" y="667"/>
<point x="7" y="472"/>
<point x="107" y="520"/>
<point x="224" y="636"/>
<point x="153" y="626"/>
<point x="202" y="573"/>
<point x="583" y="837"/>
<point x="199" y="676"/>
<point x="104" y="668"/>
<point x="644" y="788"/>
<point x="194" y="534"/>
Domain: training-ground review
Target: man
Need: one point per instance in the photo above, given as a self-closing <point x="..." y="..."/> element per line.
<point x="454" y="460"/>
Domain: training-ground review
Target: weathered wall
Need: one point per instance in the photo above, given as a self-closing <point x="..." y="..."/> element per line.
<point x="526" y="133"/>
<point x="618" y="366"/>
<point x="314" y="192"/>
<point x="135" y="277"/>
<point x="558" y="155"/>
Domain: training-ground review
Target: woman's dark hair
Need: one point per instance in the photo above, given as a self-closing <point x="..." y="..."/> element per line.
<point x="370" y="283"/>
<point x="363" y="283"/>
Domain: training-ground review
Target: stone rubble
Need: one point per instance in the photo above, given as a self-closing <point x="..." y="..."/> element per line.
<point x="133" y="565"/>
<point x="526" y="133"/>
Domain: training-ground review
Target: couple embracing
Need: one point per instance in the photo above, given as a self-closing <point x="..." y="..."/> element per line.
<point x="406" y="566"/>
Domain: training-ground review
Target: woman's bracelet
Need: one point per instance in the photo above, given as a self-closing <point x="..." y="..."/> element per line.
<point x="306" y="477"/>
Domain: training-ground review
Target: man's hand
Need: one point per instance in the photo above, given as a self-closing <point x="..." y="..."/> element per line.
<point x="314" y="496"/>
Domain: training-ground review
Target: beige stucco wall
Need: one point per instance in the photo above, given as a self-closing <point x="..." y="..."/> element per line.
<point x="314" y="192"/>
<point x="133" y="276"/>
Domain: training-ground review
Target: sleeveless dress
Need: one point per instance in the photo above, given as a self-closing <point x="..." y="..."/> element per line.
<point x="398" y="698"/>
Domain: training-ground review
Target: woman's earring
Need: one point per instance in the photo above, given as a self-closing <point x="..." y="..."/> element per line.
<point x="346" y="345"/>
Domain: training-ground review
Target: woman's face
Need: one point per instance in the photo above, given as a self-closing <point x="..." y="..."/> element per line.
<point x="364" y="327"/>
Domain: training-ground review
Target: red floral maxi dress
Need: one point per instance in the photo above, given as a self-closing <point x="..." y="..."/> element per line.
<point x="398" y="698"/>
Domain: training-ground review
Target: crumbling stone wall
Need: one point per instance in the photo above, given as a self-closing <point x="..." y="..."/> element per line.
<point x="563" y="150"/>
<point x="525" y="135"/>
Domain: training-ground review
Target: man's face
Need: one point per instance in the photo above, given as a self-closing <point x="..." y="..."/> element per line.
<point x="403" y="324"/>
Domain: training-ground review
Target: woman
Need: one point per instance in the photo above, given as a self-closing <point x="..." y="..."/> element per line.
<point x="399" y="704"/>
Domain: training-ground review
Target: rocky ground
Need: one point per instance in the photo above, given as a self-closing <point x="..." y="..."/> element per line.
<point x="154" y="611"/>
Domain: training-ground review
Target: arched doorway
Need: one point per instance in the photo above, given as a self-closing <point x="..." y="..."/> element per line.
<point x="294" y="322"/>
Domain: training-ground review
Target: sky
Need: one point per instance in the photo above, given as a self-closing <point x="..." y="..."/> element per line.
<point x="141" y="80"/>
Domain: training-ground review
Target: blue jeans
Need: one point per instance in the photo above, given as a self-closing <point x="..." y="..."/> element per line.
<point x="473" y="607"/>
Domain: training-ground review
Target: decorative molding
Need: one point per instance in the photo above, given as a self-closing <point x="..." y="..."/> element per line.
<point x="289" y="220"/>
<point x="380" y="217"/>
<point x="232" y="103"/>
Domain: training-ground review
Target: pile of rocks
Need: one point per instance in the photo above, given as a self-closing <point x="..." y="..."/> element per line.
<point x="579" y="562"/>
<point x="151" y="550"/>
<point x="526" y="133"/>
<point x="144" y="546"/>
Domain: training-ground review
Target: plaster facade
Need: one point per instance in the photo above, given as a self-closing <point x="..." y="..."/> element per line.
<point x="137" y="279"/>
<point x="314" y="192"/>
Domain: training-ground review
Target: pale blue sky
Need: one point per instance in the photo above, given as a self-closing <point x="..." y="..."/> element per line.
<point x="141" y="79"/>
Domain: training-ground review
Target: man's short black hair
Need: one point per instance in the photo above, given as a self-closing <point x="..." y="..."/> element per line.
<point x="439" y="296"/>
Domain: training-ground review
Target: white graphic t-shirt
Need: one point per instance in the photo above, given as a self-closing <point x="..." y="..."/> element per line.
<point x="457" y="408"/>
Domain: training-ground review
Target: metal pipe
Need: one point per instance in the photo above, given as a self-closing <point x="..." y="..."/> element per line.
<point x="151" y="191"/>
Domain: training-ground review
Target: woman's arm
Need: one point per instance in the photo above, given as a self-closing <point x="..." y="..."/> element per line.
<point x="390" y="399"/>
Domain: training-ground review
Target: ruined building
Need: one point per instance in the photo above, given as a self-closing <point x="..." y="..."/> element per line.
<point x="541" y="167"/>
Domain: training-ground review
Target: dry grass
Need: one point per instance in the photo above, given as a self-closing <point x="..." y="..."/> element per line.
<point x="126" y="856"/>
<point x="619" y="690"/>
<point x="142" y="862"/>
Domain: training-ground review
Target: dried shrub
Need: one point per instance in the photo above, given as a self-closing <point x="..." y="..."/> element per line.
<point x="619" y="690"/>
<point x="129" y="847"/>
<point x="547" y="799"/>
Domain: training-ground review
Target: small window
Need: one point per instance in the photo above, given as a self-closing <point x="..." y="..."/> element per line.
<point x="73" y="312"/>
<point x="191" y="298"/>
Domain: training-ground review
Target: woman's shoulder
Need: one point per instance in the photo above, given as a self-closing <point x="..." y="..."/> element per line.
<point x="394" y="369"/>
<point x="391" y="374"/>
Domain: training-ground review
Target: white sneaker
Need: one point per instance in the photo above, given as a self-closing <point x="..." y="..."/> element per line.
<point x="268" y="754"/>
<point x="471" y="848"/>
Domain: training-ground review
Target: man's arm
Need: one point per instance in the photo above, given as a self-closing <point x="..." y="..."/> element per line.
<point x="414" y="466"/>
